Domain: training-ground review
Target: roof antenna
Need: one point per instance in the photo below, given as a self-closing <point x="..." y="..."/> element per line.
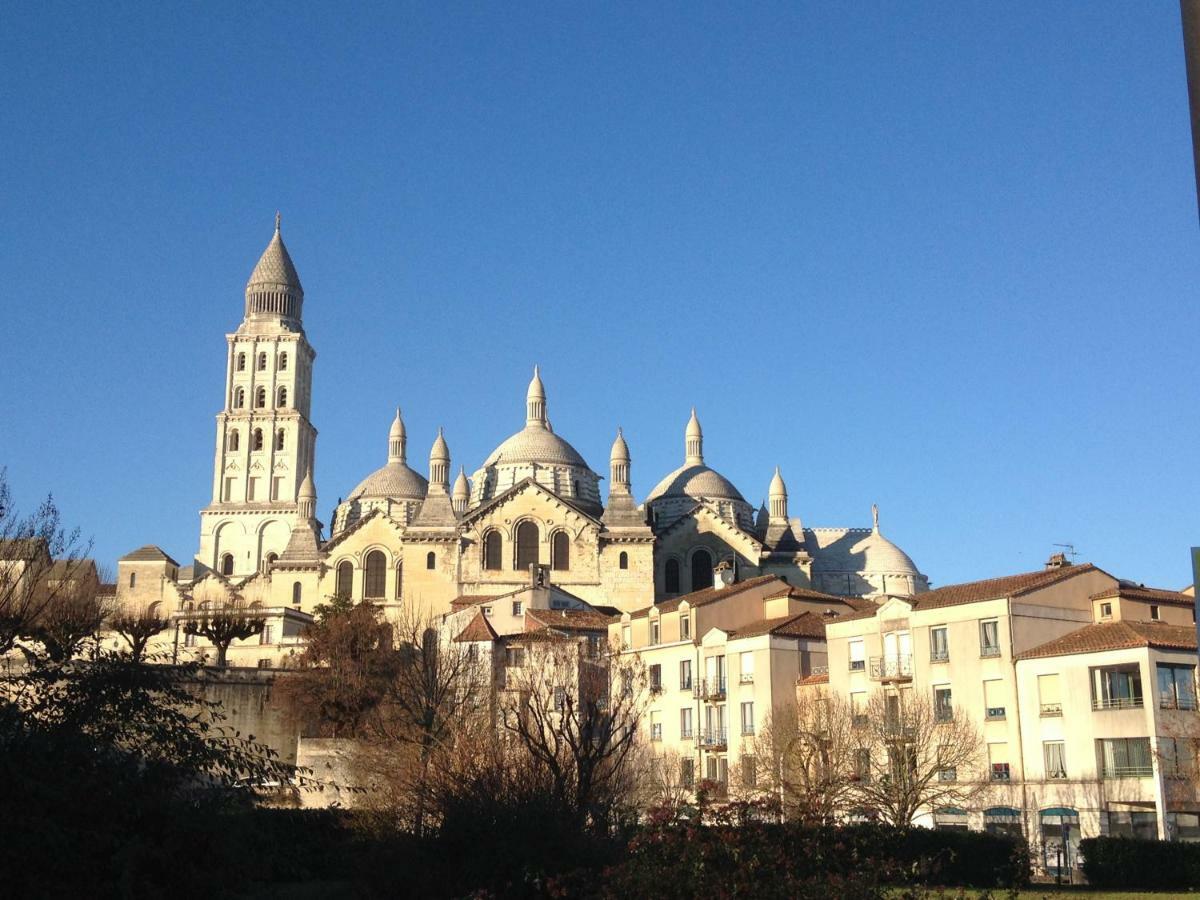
<point x="1070" y="548"/>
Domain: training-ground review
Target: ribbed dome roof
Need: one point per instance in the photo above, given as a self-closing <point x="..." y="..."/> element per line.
<point x="275" y="267"/>
<point x="880" y="555"/>
<point x="696" y="481"/>
<point x="395" y="481"/>
<point x="536" y="444"/>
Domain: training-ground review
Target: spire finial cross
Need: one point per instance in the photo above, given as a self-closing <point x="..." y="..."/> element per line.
<point x="278" y="218"/>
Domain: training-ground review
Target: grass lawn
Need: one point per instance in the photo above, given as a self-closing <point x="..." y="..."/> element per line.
<point x="1053" y="892"/>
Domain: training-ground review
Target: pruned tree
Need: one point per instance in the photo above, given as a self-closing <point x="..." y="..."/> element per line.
<point x="40" y="561"/>
<point x="805" y="756"/>
<point x="659" y="781"/>
<point x="911" y="755"/>
<point x="73" y="614"/>
<point x="224" y="625"/>
<point x="137" y="627"/>
<point x="577" y="718"/>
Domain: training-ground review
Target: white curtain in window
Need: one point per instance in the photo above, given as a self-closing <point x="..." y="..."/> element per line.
<point x="1056" y="760"/>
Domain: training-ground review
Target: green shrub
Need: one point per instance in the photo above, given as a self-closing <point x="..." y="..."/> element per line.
<point x="1121" y="862"/>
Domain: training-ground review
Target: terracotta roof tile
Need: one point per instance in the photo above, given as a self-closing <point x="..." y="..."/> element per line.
<point x="566" y="619"/>
<point x="997" y="588"/>
<point x="465" y="600"/>
<point x="708" y="595"/>
<point x="814" y="679"/>
<point x="1149" y="595"/>
<point x="802" y="625"/>
<point x="478" y="629"/>
<point x="1117" y="636"/>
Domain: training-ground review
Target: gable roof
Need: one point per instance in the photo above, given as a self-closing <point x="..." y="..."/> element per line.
<point x="801" y="625"/>
<point x="358" y="525"/>
<point x="1149" y="595"/>
<point x="478" y="629"/>
<point x="148" y="553"/>
<point x="998" y="588"/>
<point x="473" y="514"/>
<point x="566" y="619"/>
<point x="462" y="601"/>
<point x="707" y="595"/>
<point x="1121" y="635"/>
<point x="716" y="518"/>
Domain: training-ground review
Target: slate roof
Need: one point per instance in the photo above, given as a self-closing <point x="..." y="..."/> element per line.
<point x="1121" y="635"/>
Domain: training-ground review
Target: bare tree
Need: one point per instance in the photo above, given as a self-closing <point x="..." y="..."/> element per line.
<point x="577" y="718"/>
<point x="137" y="627"/>
<point x="73" y="612"/>
<point x="40" y="560"/>
<point x="805" y="758"/>
<point x="911" y="755"/>
<point x="658" y="780"/>
<point x="223" y="626"/>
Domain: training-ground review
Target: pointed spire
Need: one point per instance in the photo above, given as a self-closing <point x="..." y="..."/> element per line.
<point x="693" y="440"/>
<point x="274" y="287"/>
<point x="278" y="220"/>
<point x="439" y="464"/>
<point x="777" y="498"/>
<point x="535" y="401"/>
<point x="618" y="465"/>
<point x="306" y="498"/>
<point x="462" y="492"/>
<point x="397" y="440"/>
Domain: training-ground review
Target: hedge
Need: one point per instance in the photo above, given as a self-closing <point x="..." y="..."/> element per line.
<point x="1122" y="862"/>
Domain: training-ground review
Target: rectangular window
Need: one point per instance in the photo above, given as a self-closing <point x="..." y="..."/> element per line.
<point x="1125" y="758"/>
<point x="252" y="489"/>
<point x="862" y="764"/>
<point x="1106" y="610"/>
<point x="748" y="718"/>
<point x="1154" y="612"/>
<point x="685" y="626"/>
<point x="943" y="706"/>
<point x="687" y="772"/>
<point x="654" y="631"/>
<point x="487" y="610"/>
<point x="655" y="726"/>
<point x="993" y="698"/>
<point x="560" y="700"/>
<point x="714" y="675"/>
<point x="1048" y="695"/>
<point x="1176" y="686"/>
<point x="998" y="762"/>
<point x="514" y="657"/>
<point x="656" y="679"/>
<point x="858" y="707"/>
<point x="685" y="723"/>
<point x="939" y="644"/>
<point x="858" y="656"/>
<point x="685" y="675"/>
<point x="228" y="489"/>
<point x="1178" y="757"/>
<point x="264" y="636"/>
<point x="950" y="774"/>
<point x="1142" y="826"/>
<point x="746" y="664"/>
<point x="989" y="637"/>
<point x="517" y="608"/>
<point x="626" y="637"/>
<point x="1055" y="755"/>
<point x="749" y="771"/>
<point x="1117" y="687"/>
<point x="276" y="487"/>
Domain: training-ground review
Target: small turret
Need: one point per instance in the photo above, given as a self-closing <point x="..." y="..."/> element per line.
<point x="618" y="464"/>
<point x="439" y="464"/>
<point x="397" y="440"/>
<point x="693" y="440"/>
<point x="535" y="401"/>
<point x="306" y="499"/>
<point x="778" y="499"/>
<point x="462" y="492"/>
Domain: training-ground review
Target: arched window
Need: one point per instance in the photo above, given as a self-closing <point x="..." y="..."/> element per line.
<point x="296" y="593"/>
<point x="262" y="362"/>
<point x="258" y="444"/>
<point x="271" y="557"/>
<point x="431" y="560"/>
<point x="282" y="400"/>
<point x="560" y="551"/>
<point x="260" y="398"/>
<point x="132" y="579"/>
<point x="493" y="549"/>
<point x="282" y="362"/>
<point x="671" y="581"/>
<point x="239" y="398"/>
<point x="279" y="439"/>
<point x="624" y="560"/>
<point x="241" y="362"/>
<point x="227" y="564"/>
<point x="376" y="575"/>
<point x="234" y="440"/>
<point x="345" y="579"/>
<point x="527" y="545"/>
<point x="702" y="570"/>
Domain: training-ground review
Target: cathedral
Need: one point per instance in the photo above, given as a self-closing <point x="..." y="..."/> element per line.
<point x="531" y="513"/>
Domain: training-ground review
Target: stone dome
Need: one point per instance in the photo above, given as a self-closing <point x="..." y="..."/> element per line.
<point x="395" y="481"/>
<point x="696" y="481"/>
<point x="535" y="444"/>
<point x="876" y="554"/>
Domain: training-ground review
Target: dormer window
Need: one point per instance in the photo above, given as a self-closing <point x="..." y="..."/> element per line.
<point x="1106" y="610"/>
<point x="1154" y="615"/>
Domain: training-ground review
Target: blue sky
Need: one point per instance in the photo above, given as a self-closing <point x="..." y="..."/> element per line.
<point x="941" y="257"/>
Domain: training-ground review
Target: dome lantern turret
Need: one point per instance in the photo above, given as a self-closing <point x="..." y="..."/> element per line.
<point x="618" y="463"/>
<point x="693" y="440"/>
<point x="462" y="492"/>
<point x="777" y="498"/>
<point x="306" y="498"/>
<point x="274" y="289"/>
<point x="439" y="463"/>
<point x="535" y="401"/>
<point x="397" y="440"/>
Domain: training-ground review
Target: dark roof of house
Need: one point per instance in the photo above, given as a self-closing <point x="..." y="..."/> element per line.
<point x="1149" y="595"/>
<point x="464" y="600"/>
<point x="801" y="625"/>
<point x="148" y="553"/>
<point x="1121" y="635"/>
<point x="708" y="595"/>
<point x="998" y="588"/>
<point x="478" y="629"/>
<point x="566" y="619"/>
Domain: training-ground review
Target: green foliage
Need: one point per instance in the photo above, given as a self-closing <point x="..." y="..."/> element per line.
<point x="1121" y="862"/>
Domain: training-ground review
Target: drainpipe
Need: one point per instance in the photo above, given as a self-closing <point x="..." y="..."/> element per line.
<point x="1012" y="647"/>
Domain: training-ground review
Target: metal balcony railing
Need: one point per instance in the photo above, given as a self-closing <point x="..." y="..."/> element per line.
<point x="896" y="667"/>
<point x="1184" y="703"/>
<point x="714" y="737"/>
<point x="1099" y="703"/>
<point x="710" y="688"/>
<point x="989" y="650"/>
<point x="939" y="655"/>
<point x="746" y="678"/>
<point x="1050" y="710"/>
<point x="1128" y="771"/>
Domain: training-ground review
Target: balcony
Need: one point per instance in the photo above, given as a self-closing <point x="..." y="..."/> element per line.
<point x="892" y="668"/>
<point x="1051" y="710"/>
<point x="747" y="729"/>
<point x="1128" y="771"/>
<point x="714" y="739"/>
<point x="1101" y="703"/>
<point x="710" y="689"/>
<point x="939" y="656"/>
<point x="1182" y="703"/>
<point x="685" y="733"/>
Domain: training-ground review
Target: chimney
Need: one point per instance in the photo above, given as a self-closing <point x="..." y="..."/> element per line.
<point x="1057" y="561"/>
<point x="723" y="574"/>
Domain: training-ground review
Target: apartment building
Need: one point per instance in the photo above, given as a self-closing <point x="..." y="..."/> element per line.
<point x="1051" y="666"/>
<point x="719" y="661"/>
